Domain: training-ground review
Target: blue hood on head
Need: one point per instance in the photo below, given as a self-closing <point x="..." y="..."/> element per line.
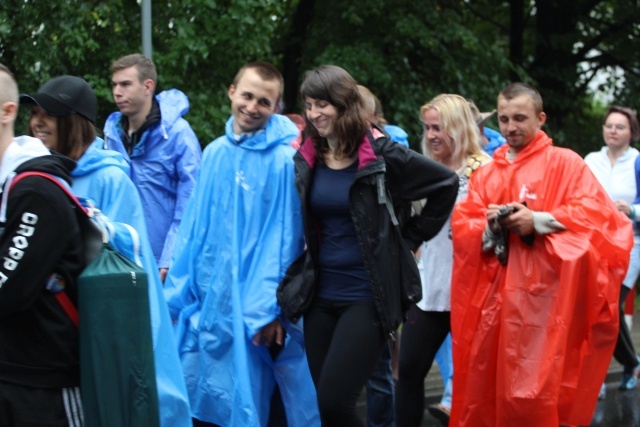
<point x="96" y="158"/>
<point x="173" y="105"/>
<point x="279" y="131"/>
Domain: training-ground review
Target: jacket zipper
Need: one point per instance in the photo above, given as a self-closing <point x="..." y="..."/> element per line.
<point x="376" y="292"/>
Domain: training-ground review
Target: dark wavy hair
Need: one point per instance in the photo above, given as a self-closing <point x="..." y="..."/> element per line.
<point x="631" y="116"/>
<point x="335" y="85"/>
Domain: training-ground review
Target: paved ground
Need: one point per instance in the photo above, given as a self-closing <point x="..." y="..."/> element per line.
<point x="619" y="409"/>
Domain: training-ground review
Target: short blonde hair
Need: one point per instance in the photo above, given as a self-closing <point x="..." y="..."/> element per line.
<point x="458" y="124"/>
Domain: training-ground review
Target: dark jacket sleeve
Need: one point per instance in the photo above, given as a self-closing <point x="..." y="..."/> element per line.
<point x="412" y="176"/>
<point x="39" y="229"/>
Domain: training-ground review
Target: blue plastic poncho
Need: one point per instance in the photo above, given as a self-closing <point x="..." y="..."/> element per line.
<point x="101" y="175"/>
<point x="397" y="134"/>
<point x="496" y="140"/>
<point x="164" y="165"/>
<point x="240" y="232"/>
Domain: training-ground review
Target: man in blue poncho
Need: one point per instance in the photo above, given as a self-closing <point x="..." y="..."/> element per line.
<point x="158" y="143"/>
<point x="240" y="232"/>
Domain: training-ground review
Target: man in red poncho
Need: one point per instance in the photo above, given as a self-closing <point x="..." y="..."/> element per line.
<point x="539" y="253"/>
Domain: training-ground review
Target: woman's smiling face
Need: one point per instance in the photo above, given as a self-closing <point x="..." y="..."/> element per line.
<point x="44" y="127"/>
<point x="438" y="140"/>
<point x="322" y="115"/>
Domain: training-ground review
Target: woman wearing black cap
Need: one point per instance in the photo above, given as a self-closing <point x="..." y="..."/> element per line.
<point x="63" y="116"/>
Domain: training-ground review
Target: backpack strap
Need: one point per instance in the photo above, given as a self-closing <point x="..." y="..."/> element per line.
<point x="53" y="179"/>
<point x="384" y="196"/>
<point x="68" y="307"/>
<point x="61" y="296"/>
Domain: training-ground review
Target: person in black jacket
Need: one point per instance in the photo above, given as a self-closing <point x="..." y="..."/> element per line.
<point x="358" y="276"/>
<point x="40" y="254"/>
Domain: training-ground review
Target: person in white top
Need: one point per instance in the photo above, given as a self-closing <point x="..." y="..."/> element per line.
<point x="614" y="168"/>
<point x="451" y="137"/>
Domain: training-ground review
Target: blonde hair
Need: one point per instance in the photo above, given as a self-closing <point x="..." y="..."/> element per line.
<point x="458" y="124"/>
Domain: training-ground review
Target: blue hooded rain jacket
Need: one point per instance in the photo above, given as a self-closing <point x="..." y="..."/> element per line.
<point x="240" y="232"/>
<point x="102" y="176"/>
<point x="164" y="165"/>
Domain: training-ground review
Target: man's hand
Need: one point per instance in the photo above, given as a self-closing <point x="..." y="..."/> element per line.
<point x="163" y="274"/>
<point x="520" y="222"/>
<point x="492" y="212"/>
<point x="269" y="333"/>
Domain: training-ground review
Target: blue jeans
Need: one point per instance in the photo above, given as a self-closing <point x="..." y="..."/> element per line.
<point x="444" y="359"/>
<point x="380" y="393"/>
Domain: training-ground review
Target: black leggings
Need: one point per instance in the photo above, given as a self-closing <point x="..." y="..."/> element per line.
<point x="422" y="335"/>
<point x="344" y="341"/>
<point x="624" y="352"/>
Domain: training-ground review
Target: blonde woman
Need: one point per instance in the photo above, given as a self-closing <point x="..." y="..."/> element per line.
<point x="451" y="137"/>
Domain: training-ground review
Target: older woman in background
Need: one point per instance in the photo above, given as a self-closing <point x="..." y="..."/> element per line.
<point x="613" y="166"/>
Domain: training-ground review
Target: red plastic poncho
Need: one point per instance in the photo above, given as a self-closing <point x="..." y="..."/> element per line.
<point x="532" y="341"/>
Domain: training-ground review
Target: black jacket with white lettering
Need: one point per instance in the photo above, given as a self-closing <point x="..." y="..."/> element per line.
<point x="38" y="341"/>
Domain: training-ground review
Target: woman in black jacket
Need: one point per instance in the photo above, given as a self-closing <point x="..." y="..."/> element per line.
<point x="358" y="276"/>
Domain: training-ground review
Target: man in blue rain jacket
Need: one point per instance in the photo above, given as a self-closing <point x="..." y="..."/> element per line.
<point x="240" y="232"/>
<point x="160" y="146"/>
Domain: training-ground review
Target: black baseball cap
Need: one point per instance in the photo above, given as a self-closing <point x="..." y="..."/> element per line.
<point x="65" y="95"/>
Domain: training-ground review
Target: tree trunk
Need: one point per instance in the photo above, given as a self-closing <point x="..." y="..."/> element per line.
<point x="292" y="54"/>
<point x="516" y="38"/>
<point x="554" y="67"/>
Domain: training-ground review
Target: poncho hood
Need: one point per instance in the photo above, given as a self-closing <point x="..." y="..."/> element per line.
<point x="173" y="105"/>
<point x="278" y="131"/>
<point x="96" y="158"/>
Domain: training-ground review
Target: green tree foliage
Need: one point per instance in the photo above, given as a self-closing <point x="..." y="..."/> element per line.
<point x="404" y="51"/>
<point x="198" y="46"/>
<point x="562" y="46"/>
<point x="201" y="44"/>
<point x="42" y="39"/>
<point x="408" y="51"/>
